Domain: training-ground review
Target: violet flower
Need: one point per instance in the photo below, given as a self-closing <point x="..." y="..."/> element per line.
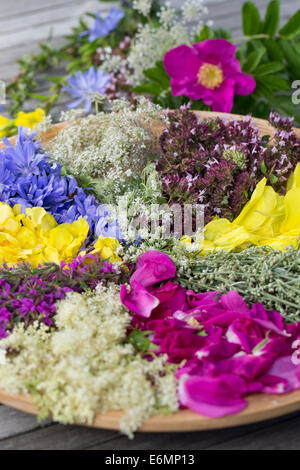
<point x="208" y="71"/>
<point x="103" y="27"/>
<point x="84" y="85"/>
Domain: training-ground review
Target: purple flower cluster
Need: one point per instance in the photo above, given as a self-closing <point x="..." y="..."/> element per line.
<point x="28" y="295"/>
<point x="218" y="163"/>
<point x="283" y="153"/>
<point x="29" y="178"/>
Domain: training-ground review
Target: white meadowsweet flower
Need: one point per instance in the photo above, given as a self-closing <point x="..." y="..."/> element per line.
<point x="143" y="6"/>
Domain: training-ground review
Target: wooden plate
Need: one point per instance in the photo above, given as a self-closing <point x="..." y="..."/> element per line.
<point x="260" y="406"/>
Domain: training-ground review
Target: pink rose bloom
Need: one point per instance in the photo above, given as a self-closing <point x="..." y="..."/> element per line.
<point x="209" y="71"/>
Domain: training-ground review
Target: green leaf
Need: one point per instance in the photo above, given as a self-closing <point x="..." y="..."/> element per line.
<point x="205" y="33"/>
<point x="220" y="33"/>
<point x="291" y="56"/>
<point x="266" y="69"/>
<point x="273" y="179"/>
<point x="139" y="340"/>
<point x="38" y="97"/>
<point x="158" y="76"/>
<point x="147" y="89"/>
<point x="272" y="18"/>
<point x="251" y="19"/>
<point x="274" y="51"/>
<point x="277" y="83"/>
<point x="263" y="89"/>
<point x="263" y="168"/>
<point x="254" y="59"/>
<point x="292" y="28"/>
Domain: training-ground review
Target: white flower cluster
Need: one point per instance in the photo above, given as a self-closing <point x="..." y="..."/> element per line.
<point x="87" y="365"/>
<point x="110" y="147"/>
<point x="143" y="6"/>
<point x="151" y="43"/>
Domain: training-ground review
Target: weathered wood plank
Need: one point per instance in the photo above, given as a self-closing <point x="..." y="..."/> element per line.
<point x="57" y="437"/>
<point x="25" y="8"/>
<point x="192" y="441"/>
<point x="284" y="436"/>
<point x="14" y="422"/>
<point x="59" y="21"/>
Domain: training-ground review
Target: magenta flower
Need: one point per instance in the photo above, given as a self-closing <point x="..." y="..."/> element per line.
<point x="138" y="300"/>
<point x="153" y="267"/>
<point x="208" y="71"/>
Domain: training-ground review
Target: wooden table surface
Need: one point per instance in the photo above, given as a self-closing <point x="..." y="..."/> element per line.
<point x="23" y="23"/>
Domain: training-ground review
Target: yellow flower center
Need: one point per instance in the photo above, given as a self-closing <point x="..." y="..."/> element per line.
<point x="211" y="76"/>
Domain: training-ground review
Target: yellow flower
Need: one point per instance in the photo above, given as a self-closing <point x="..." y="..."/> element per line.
<point x="3" y="123"/>
<point x="107" y="246"/>
<point x="268" y="219"/>
<point x="30" y="120"/>
<point x="35" y="237"/>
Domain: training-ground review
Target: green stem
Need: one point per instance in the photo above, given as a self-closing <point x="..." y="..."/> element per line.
<point x="250" y="38"/>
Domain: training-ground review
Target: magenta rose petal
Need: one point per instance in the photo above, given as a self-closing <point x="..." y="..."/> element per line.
<point x="222" y="98"/>
<point x="138" y="300"/>
<point x="212" y="397"/>
<point x="245" y="84"/>
<point x="285" y="374"/>
<point x="233" y="301"/>
<point x="182" y="62"/>
<point x="153" y="267"/>
<point x="216" y="49"/>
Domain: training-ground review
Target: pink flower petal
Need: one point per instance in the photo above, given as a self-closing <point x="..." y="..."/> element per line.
<point x="139" y="300"/>
<point x="182" y="62"/>
<point x="285" y="374"/>
<point x="153" y="267"/>
<point x="212" y="49"/>
<point x="245" y="84"/>
<point x="212" y="397"/>
<point x="233" y="301"/>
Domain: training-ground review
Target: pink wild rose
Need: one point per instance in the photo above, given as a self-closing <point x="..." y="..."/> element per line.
<point x="209" y="71"/>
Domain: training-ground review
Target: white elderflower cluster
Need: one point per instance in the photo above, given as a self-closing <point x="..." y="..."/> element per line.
<point x="143" y="6"/>
<point x="193" y="11"/>
<point x="151" y="43"/>
<point x="87" y="366"/>
<point x="110" y="147"/>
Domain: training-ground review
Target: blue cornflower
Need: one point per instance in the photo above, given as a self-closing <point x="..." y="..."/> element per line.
<point x="29" y="178"/>
<point x="103" y="27"/>
<point x="84" y="86"/>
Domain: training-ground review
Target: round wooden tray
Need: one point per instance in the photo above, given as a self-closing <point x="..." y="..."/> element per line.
<point x="260" y="406"/>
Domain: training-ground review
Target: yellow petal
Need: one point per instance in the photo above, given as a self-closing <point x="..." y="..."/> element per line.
<point x="5" y="213"/>
<point x="294" y="179"/>
<point x="292" y="211"/>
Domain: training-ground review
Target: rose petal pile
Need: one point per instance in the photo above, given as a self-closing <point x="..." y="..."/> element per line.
<point x="229" y="349"/>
